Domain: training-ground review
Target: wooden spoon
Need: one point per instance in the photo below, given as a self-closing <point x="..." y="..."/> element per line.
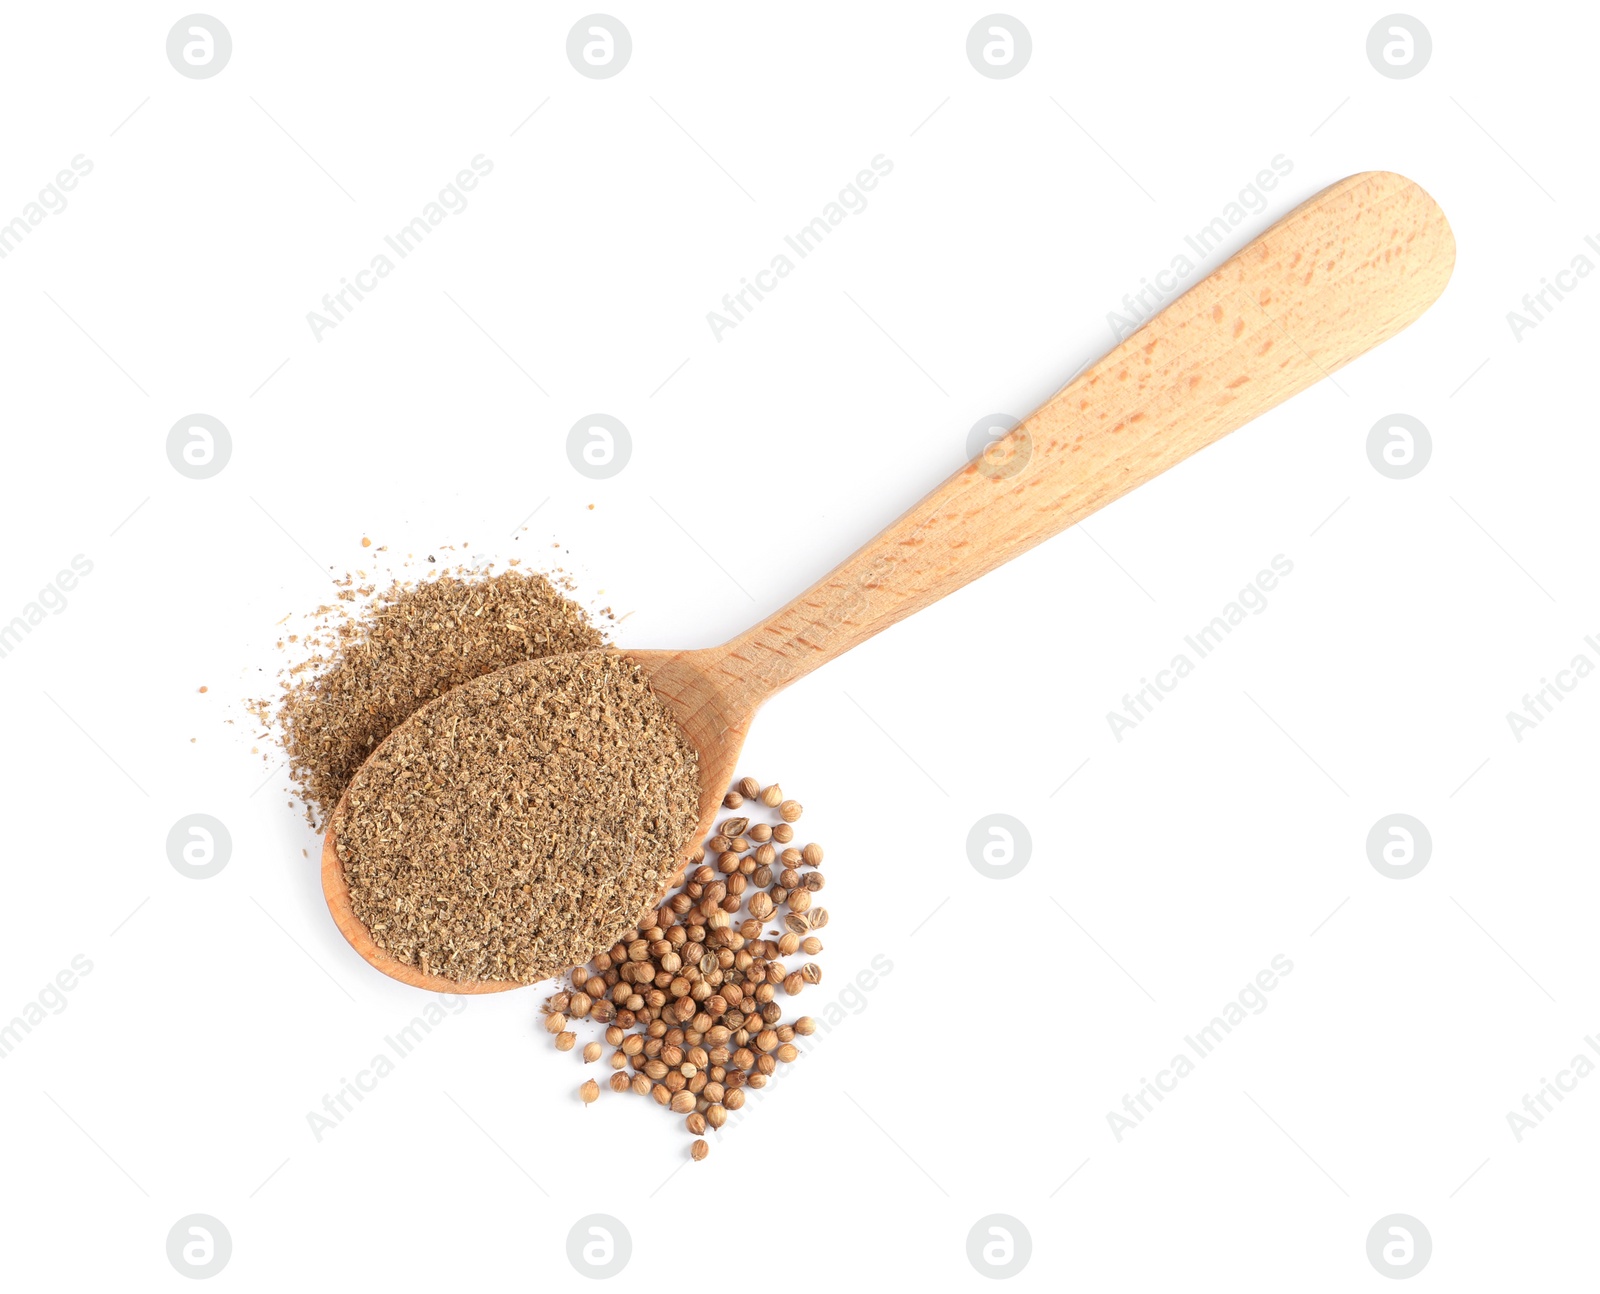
<point x="1336" y="276"/>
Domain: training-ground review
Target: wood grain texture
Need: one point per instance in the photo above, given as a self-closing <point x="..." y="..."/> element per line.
<point x="1341" y="273"/>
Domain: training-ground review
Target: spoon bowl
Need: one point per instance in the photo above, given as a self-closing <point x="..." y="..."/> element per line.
<point x="1341" y="273"/>
<point x="713" y="706"/>
<point x="713" y="720"/>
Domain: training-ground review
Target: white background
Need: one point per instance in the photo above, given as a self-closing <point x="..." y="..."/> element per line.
<point x="1165" y="873"/>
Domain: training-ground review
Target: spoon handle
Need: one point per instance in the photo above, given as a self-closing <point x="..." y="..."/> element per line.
<point x="1342" y="272"/>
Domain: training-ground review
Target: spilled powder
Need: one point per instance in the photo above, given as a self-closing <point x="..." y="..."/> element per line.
<point x="520" y="822"/>
<point x="404" y="647"/>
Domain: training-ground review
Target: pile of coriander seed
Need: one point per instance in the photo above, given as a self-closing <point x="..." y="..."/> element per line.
<point x="689" y="1000"/>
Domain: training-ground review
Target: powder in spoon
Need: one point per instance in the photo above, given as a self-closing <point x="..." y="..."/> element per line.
<point x="521" y="821"/>
<point x="411" y="644"/>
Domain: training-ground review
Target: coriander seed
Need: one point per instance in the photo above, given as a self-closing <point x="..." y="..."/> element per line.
<point x="686" y="998"/>
<point x="590" y="1092"/>
<point x="698" y="1151"/>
